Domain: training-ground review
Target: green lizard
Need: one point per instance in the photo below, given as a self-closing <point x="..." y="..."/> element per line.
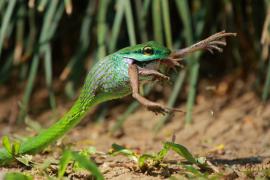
<point x="113" y="77"/>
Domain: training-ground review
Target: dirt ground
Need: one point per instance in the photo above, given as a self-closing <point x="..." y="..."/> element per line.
<point x="232" y="131"/>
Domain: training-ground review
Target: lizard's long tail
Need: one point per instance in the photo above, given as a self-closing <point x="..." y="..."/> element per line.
<point x="44" y="138"/>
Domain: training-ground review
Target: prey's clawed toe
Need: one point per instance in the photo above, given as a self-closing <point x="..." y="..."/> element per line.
<point x="160" y="109"/>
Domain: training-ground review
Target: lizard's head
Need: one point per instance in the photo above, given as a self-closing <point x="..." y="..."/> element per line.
<point x="145" y="52"/>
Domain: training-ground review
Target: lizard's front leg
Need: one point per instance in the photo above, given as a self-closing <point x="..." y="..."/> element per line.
<point x="134" y="81"/>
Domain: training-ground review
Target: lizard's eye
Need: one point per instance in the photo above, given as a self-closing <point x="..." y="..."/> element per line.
<point x="147" y="50"/>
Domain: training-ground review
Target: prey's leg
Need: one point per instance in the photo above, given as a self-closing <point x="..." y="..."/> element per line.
<point x="134" y="81"/>
<point x="151" y="72"/>
<point x="211" y="43"/>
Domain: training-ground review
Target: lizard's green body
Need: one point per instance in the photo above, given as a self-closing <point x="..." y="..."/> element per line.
<point x="107" y="80"/>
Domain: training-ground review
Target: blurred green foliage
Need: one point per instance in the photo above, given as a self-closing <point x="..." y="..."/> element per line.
<point x="44" y="41"/>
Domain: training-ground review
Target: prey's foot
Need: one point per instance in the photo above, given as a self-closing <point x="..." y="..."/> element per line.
<point x="161" y="109"/>
<point x="212" y="43"/>
<point x="215" y="42"/>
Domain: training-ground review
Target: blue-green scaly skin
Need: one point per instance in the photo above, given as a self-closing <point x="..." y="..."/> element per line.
<point x="107" y="80"/>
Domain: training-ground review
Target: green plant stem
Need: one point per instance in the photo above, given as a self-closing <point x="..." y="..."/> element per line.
<point x="48" y="74"/>
<point x="116" y="24"/>
<point x="192" y="91"/>
<point x="141" y="17"/>
<point x="101" y="27"/>
<point x="266" y="87"/>
<point x="130" y="23"/>
<point x="167" y="24"/>
<point x="29" y="87"/>
<point x="6" y="21"/>
<point x="42" y="5"/>
<point x="156" y="15"/>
